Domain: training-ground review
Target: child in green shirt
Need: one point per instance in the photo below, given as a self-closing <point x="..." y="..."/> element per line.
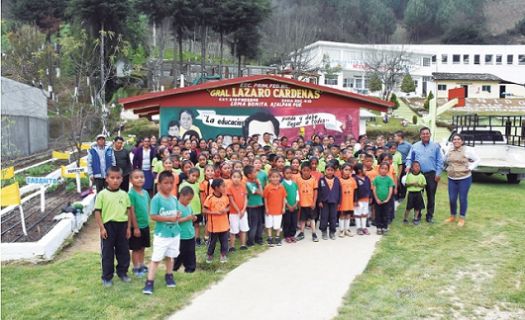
<point x="195" y="204"/>
<point x="139" y="199"/>
<point x="166" y="242"/>
<point x="114" y="219"/>
<point x="187" y="232"/>
<point x="415" y="182"/>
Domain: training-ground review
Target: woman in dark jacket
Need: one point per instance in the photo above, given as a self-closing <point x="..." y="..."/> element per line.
<point x="143" y="159"/>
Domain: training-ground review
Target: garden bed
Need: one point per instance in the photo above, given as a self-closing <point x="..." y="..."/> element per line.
<point x="38" y="224"/>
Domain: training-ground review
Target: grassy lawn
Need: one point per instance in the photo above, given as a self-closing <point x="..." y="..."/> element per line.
<point x="70" y="288"/>
<point x="444" y="272"/>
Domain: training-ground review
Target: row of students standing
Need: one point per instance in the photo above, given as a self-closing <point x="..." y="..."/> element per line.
<point x="237" y="199"/>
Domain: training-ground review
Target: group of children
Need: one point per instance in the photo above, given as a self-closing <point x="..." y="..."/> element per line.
<point x="277" y="188"/>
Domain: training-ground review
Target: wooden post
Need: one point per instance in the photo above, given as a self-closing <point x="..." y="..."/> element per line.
<point x="23" y="220"/>
<point x="77" y="178"/>
<point x="42" y="199"/>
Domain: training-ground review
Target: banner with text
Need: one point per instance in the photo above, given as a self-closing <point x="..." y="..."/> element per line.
<point x="284" y="121"/>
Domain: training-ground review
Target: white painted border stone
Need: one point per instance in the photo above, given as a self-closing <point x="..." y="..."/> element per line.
<point x="47" y="247"/>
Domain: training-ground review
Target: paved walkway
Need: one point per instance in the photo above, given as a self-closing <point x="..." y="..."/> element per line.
<point x="296" y="281"/>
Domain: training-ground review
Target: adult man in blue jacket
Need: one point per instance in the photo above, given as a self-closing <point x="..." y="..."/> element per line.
<point x="429" y="156"/>
<point x="100" y="158"/>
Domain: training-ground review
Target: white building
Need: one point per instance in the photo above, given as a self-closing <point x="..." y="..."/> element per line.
<point x="506" y="62"/>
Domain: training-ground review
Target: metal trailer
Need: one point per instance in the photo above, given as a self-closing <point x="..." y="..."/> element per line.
<point x="499" y="141"/>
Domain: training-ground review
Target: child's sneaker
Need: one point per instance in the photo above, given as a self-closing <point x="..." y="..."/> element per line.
<point x="450" y="219"/>
<point x="209" y="259"/>
<point x="224" y="259"/>
<point x="107" y="283"/>
<point x="278" y="241"/>
<point x="341" y="233"/>
<point x="270" y="242"/>
<point x="416" y="222"/>
<point x="294" y="239"/>
<point x="379" y="231"/>
<point x="288" y="240"/>
<point x="231" y="249"/>
<point x="332" y="235"/>
<point x="349" y="233"/>
<point x="405" y="221"/>
<point x="314" y="237"/>
<point x="243" y="248"/>
<point x="138" y="272"/>
<point x="148" y="287"/>
<point x="360" y="232"/>
<point x="300" y="236"/>
<point x="125" y="278"/>
<point x="461" y="222"/>
<point x="198" y="242"/>
<point x="365" y="231"/>
<point x="170" y="282"/>
<point x="324" y="235"/>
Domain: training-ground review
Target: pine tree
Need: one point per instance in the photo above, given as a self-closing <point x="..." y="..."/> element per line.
<point x="408" y="84"/>
<point x="375" y="83"/>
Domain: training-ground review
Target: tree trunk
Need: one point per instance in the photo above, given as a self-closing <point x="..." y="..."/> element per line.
<point x="221" y="52"/>
<point x="160" y="60"/>
<point x="239" y="74"/>
<point x="181" y="57"/>
<point x="203" y="51"/>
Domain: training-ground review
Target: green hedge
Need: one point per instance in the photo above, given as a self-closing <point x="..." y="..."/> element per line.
<point x="141" y="128"/>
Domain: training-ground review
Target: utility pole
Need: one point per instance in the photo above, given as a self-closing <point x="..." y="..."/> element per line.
<point x="103" y="80"/>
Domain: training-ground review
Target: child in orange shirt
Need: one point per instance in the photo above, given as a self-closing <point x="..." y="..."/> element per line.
<point x="238" y="218"/>
<point x="371" y="173"/>
<point x="307" y="197"/>
<point x="205" y="191"/>
<point x="349" y="197"/>
<point x="216" y="207"/>
<point x="296" y="168"/>
<point x="274" y="203"/>
<point x="167" y="165"/>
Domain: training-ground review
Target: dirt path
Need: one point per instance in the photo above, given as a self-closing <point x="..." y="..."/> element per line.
<point x="299" y="281"/>
<point x="86" y="241"/>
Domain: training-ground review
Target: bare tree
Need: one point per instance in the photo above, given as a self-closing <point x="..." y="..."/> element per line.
<point x="389" y="65"/>
<point x="287" y="34"/>
<point x="79" y="101"/>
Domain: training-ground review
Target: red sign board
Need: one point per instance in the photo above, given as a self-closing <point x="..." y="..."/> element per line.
<point x="458" y="93"/>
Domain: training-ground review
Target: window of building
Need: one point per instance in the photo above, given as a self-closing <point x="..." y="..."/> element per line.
<point x="476" y="59"/>
<point x="499" y="59"/>
<point x="510" y="59"/>
<point x="521" y="59"/>
<point x="488" y="59"/>
<point x="426" y="62"/>
<point x="434" y="59"/>
<point x="444" y="58"/>
<point x="466" y="59"/>
<point x="442" y="87"/>
<point x="455" y="58"/>
<point x="485" y="88"/>
<point x="348" y="83"/>
<point x="358" y="82"/>
<point x="415" y="83"/>
<point x="330" y="80"/>
<point x="367" y="82"/>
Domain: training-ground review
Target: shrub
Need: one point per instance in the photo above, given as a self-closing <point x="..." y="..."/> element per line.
<point x="141" y="128"/>
<point x="430" y="96"/>
<point x="393" y="98"/>
<point x="414" y="119"/>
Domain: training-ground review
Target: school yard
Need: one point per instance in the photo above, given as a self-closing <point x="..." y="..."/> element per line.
<point x="430" y="271"/>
